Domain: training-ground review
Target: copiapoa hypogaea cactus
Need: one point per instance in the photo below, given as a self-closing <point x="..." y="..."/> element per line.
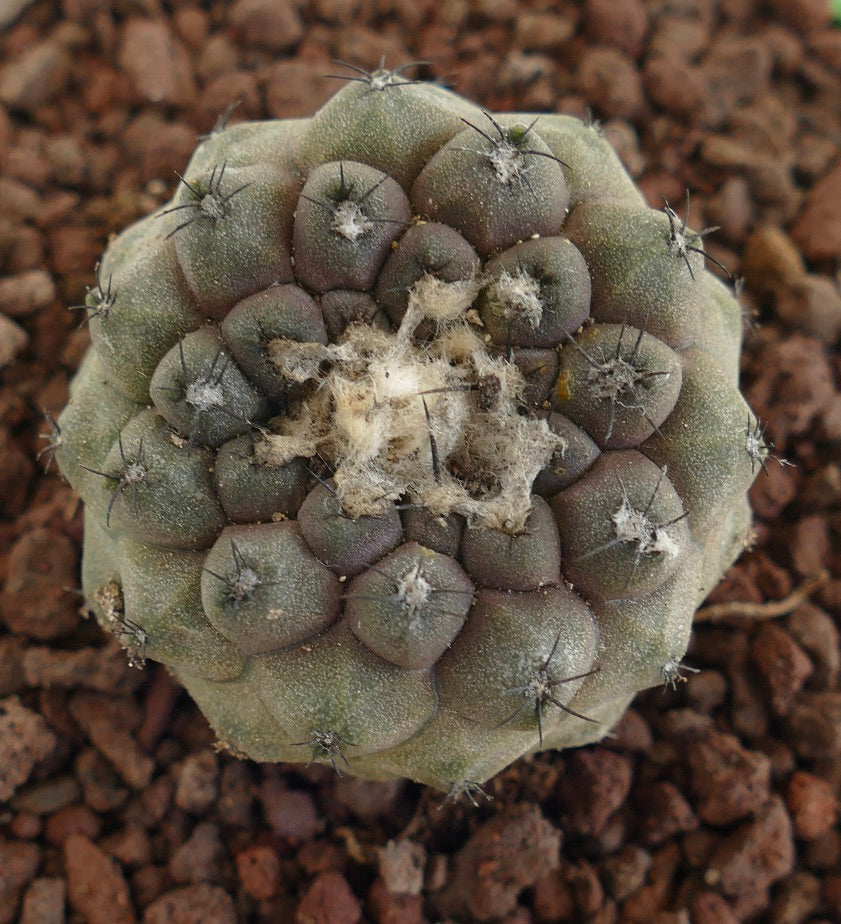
<point x="410" y="438"/>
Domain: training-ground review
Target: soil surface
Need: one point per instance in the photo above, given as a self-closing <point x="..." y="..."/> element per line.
<point x="716" y="801"/>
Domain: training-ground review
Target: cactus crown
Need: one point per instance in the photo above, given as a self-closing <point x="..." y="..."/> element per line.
<point x="409" y="436"/>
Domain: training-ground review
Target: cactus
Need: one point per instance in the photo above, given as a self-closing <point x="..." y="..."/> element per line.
<point x="410" y="438"/>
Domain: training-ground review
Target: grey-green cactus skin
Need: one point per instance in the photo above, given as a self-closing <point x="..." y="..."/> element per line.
<point x="410" y="438"/>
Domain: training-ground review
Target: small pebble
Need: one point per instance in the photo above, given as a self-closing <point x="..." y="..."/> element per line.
<point x="621" y="25"/>
<point x="389" y="908"/>
<point x="292" y="814"/>
<point x="756" y="854"/>
<point x="13" y="340"/>
<point x="18" y="862"/>
<point x="803" y="15"/>
<point x="818" y="636"/>
<point x="595" y="783"/>
<point x="609" y="79"/>
<point x="25" y="739"/>
<point x="37" y="77"/>
<point x="203" y="903"/>
<point x="813" y="805"/>
<point x="197" y="782"/>
<point x="25" y="293"/>
<point x="771" y="261"/>
<point x="813" y="306"/>
<point x="586" y="888"/>
<point x="271" y="24"/>
<point x="43" y="902"/>
<point x="666" y="812"/>
<point x="814" y="724"/>
<point x="16" y="473"/>
<point x="401" y="865"/>
<point x="130" y="846"/>
<point x="96" y="887"/>
<point x="522" y="842"/>
<point x="796" y="898"/>
<point x="818" y="229"/>
<point x="728" y="781"/>
<point x="158" y="65"/>
<point x="328" y="900"/>
<point x="258" y="868"/>
<point x="103" y="721"/>
<point x="711" y="908"/>
<point x="200" y="857"/>
<point x="783" y="664"/>
<point x="553" y="899"/>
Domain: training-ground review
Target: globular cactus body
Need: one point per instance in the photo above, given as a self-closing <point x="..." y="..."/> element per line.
<point x="410" y="438"/>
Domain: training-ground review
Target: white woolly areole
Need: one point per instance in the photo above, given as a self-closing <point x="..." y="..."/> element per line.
<point x="507" y="161"/>
<point x="413" y="590"/>
<point x="755" y="446"/>
<point x="204" y="395"/>
<point x="632" y="525"/>
<point x="350" y="221"/>
<point x="380" y="414"/>
<point x="433" y="298"/>
<point x="429" y="420"/>
<point x="244" y="584"/>
<point x="613" y="378"/>
<point x="277" y="449"/>
<point x="519" y="295"/>
<point x="298" y="362"/>
<point x="212" y="206"/>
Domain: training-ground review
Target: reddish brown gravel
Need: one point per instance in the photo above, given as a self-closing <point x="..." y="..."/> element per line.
<point x="714" y="803"/>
